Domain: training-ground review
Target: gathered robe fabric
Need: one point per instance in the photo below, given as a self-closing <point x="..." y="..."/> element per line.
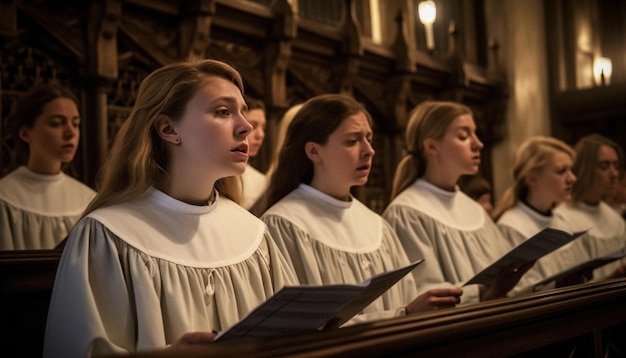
<point x="254" y="185"/>
<point x="522" y="222"/>
<point x="329" y="241"/>
<point x="451" y="231"/>
<point x="136" y="276"/>
<point x="607" y="231"/>
<point x="38" y="211"/>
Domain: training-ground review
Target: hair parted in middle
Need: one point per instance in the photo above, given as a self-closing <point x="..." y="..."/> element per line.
<point x="315" y="121"/>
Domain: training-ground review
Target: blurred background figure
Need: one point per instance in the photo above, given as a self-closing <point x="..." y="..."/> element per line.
<point x="597" y="167"/>
<point x="618" y="200"/>
<point x="254" y="181"/>
<point x="39" y="203"/>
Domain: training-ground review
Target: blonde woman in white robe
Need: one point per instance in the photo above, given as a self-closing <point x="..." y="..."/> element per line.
<point x="164" y="255"/>
<point x="542" y="179"/>
<point x="433" y="218"/>
<point x="39" y="203"/>
<point x="327" y="235"/>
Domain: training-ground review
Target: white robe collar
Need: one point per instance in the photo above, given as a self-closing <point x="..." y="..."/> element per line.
<point x="222" y="233"/>
<point x="43" y="194"/>
<point x="451" y="208"/>
<point x="343" y="225"/>
<point x="601" y="220"/>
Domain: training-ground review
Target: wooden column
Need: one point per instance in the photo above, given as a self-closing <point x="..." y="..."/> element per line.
<point x="102" y="70"/>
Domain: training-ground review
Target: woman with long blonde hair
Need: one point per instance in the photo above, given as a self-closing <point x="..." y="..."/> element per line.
<point x="164" y="254"/>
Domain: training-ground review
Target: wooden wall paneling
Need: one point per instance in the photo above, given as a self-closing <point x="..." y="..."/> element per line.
<point x="102" y="70"/>
<point x="8" y="18"/>
<point x="277" y="57"/>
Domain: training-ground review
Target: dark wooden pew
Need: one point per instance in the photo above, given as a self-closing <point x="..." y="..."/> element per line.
<point x="583" y="321"/>
<point x="26" y="280"/>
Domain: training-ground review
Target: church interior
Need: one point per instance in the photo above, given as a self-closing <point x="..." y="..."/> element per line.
<point x="525" y="67"/>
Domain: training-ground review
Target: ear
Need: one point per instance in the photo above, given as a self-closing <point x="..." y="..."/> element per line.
<point x="531" y="179"/>
<point x="166" y="130"/>
<point x="430" y="147"/>
<point x="23" y="134"/>
<point x="312" y="150"/>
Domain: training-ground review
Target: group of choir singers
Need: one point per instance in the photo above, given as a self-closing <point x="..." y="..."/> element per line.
<point x="164" y="254"/>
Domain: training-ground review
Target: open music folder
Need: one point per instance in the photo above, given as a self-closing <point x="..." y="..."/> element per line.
<point x="300" y="309"/>
<point x="592" y="264"/>
<point x="534" y="248"/>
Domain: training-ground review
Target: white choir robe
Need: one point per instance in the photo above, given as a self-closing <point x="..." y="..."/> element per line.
<point x="38" y="211"/>
<point x="451" y="231"/>
<point x="521" y="222"/>
<point x="329" y="241"/>
<point x="254" y="185"/>
<point x="607" y="231"/>
<point x="136" y="276"/>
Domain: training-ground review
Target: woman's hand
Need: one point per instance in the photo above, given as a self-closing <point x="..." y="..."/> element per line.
<point x="619" y="272"/>
<point x="434" y="299"/>
<point x="506" y="280"/>
<point x="575" y="278"/>
<point x="192" y="339"/>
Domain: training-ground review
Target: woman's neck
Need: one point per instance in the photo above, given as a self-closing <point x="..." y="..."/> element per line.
<point x="44" y="167"/>
<point x="542" y="209"/>
<point x="540" y="204"/>
<point x="441" y="181"/>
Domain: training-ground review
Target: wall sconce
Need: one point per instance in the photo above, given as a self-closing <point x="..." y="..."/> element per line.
<point x="428" y="13"/>
<point x="602" y="70"/>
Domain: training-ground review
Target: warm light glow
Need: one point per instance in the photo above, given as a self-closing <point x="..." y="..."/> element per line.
<point x="377" y="36"/>
<point x="602" y="69"/>
<point x="427" y="12"/>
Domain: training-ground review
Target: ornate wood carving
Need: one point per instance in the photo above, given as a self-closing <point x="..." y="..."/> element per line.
<point x="283" y="57"/>
<point x="195" y="29"/>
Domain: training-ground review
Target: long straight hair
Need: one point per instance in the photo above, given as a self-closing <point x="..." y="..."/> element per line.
<point x="314" y="122"/>
<point x="138" y="154"/>
<point x="429" y="119"/>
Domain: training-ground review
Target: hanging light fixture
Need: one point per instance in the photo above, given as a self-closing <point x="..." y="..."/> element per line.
<point x="427" y="12"/>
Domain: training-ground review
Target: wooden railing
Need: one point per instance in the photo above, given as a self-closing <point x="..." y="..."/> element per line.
<point x="583" y="321"/>
<point x="580" y="321"/>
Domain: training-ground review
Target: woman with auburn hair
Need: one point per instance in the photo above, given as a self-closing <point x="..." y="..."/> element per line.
<point x="164" y="255"/>
<point x="327" y="235"/>
<point x="39" y="203"/>
<point x="433" y="218"/>
<point x="542" y="179"/>
<point x="597" y="166"/>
